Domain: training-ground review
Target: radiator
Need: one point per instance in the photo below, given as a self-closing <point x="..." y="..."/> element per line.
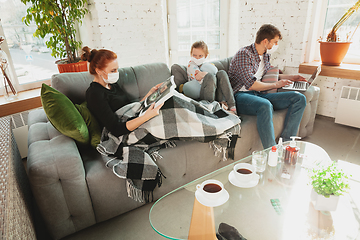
<point x="20" y="131"/>
<point x="348" y="109"/>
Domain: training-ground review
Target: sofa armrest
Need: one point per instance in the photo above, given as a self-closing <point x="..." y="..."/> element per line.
<point x="307" y="122"/>
<point x="57" y="179"/>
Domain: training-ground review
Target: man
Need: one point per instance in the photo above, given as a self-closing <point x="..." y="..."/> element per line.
<point x="246" y="70"/>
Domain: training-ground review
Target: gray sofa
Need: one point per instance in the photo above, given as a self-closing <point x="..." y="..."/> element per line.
<point x="71" y="184"/>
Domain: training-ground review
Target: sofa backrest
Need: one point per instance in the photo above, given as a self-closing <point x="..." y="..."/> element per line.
<point x="223" y="64"/>
<point x="136" y="81"/>
<point x="180" y="71"/>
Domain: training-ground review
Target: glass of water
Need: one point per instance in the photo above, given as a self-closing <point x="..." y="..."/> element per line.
<point x="259" y="160"/>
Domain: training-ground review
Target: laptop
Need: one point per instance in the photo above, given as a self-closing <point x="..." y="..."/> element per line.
<point x="303" y="86"/>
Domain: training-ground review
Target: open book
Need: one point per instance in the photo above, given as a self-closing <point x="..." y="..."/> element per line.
<point x="164" y="92"/>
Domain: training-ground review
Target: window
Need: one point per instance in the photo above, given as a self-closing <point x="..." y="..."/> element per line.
<point x="335" y="10"/>
<point x="29" y="58"/>
<point x="193" y="20"/>
<point x="325" y="14"/>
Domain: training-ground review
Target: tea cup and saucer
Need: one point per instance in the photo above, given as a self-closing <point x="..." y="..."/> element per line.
<point x="244" y="175"/>
<point x="211" y="193"/>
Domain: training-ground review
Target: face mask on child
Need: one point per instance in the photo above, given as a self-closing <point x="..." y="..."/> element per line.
<point x="198" y="61"/>
<point x="112" y="78"/>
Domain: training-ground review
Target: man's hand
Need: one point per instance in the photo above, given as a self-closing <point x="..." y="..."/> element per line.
<point x="282" y="83"/>
<point x="294" y="78"/>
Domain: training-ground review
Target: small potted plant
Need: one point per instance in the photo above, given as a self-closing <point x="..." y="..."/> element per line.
<point x="333" y="51"/>
<point x="328" y="182"/>
<point x="58" y="18"/>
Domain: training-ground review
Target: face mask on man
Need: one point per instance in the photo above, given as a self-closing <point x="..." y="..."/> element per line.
<point x="112" y="78"/>
<point x="199" y="61"/>
<point x="272" y="50"/>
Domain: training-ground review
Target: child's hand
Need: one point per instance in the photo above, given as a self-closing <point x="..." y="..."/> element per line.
<point x="200" y="75"/>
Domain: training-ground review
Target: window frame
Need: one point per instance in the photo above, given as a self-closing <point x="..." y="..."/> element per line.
<point x="14" y="78"/>
<point x="317" y="23"/>
<point x="174" y="54"/>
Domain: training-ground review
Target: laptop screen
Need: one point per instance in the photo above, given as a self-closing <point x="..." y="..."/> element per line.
<point x="315" y="74"/>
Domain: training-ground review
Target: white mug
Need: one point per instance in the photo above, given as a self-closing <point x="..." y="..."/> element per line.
<point x="211" y="189"/>
<point x="247" y="172"/>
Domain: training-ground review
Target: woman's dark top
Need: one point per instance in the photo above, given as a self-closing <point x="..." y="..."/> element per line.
<point x="103" y="103"/>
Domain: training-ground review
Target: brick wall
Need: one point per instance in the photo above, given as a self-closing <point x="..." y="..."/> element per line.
<point x="134" y="29"/>
<point x="288" y="15"/>
<point x="293" y="18"/>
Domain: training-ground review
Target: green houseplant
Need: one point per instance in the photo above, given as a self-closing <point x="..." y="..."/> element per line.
<point x="328" y="182"/>
<point x="57" y="19"/>
<point x="332" y="51"/>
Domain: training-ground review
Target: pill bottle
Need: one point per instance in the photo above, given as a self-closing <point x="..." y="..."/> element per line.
<point x="273" y="157"/>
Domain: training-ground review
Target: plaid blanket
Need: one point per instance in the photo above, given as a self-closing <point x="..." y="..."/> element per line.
<point x="180" y="118"/>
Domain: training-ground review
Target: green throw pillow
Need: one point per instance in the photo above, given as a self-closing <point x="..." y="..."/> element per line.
<point x="63" y="114"/>
<point x="91" y="123"/>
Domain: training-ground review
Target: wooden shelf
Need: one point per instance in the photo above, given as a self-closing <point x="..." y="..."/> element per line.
<point x="348" y="71"/>
<point x="26" y="100"/>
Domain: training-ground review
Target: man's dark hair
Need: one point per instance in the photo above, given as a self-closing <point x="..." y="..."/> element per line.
<point x="267" y="31"/>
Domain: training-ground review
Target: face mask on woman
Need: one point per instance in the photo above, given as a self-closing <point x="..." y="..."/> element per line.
<point x="112" y="78"/>
<point x="198" y="61"/>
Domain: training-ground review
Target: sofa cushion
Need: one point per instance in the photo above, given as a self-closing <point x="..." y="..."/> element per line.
<point x="91" y="123"/>
<point x="271" y="76"/>
<point x="72" y="84"/>
<point x="63" y="115"/>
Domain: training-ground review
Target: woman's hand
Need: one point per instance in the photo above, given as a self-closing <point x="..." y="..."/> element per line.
<point x="152" y="90"/>
<point x="152" y="111"/>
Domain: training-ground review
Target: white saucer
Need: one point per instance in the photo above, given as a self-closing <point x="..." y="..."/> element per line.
<point x="212" y="203"/>
<point x="236" y="182"/>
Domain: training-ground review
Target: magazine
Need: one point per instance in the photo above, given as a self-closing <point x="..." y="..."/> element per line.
<point x="164" y="92"/>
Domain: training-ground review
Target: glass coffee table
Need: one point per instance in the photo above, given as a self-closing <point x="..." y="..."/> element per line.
<point x="278" y="207"/>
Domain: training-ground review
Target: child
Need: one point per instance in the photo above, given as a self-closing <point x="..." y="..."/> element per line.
<point x="204" y="79"/>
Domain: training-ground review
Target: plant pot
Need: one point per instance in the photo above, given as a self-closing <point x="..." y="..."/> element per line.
<point x="332" y="53"/>
<point x="72" y="67"/>
<point x="322" y="203"/>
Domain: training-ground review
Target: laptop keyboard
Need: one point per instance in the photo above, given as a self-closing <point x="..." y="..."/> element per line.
<point x="299" y="85"/>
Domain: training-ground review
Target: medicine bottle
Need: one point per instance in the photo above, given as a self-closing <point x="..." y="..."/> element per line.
<point x="291" y="152"/>
<point x="273" y="157"/>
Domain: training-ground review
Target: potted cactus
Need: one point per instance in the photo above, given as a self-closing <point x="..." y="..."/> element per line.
<point x="328" y="184"/>
<point x="58" y="18"/>
<point x="332" y="51"/>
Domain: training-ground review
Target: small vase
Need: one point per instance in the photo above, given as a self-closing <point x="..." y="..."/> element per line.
<point x="322" y="203"/>
<point x="81" y="66"/>
<point x="333" y="53"/>
<point x="7" y="85"/>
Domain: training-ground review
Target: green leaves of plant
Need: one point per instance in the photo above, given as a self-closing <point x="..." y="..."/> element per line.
<point x="329" y="180"/>
<point x="57" y="18"/>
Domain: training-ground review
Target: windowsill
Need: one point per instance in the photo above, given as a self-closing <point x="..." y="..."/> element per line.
<point x="26" y="100"/>
<point x="348" y="71"/>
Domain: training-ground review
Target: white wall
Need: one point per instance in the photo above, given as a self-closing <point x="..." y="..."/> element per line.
<point x="136" y="31"/>
<point x="133" y="29"/>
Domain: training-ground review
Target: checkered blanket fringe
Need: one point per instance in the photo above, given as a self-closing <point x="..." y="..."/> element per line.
<point x="180" y="118"/>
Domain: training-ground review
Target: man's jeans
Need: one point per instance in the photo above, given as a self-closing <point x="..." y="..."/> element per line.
<point x="263" y="104"/>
